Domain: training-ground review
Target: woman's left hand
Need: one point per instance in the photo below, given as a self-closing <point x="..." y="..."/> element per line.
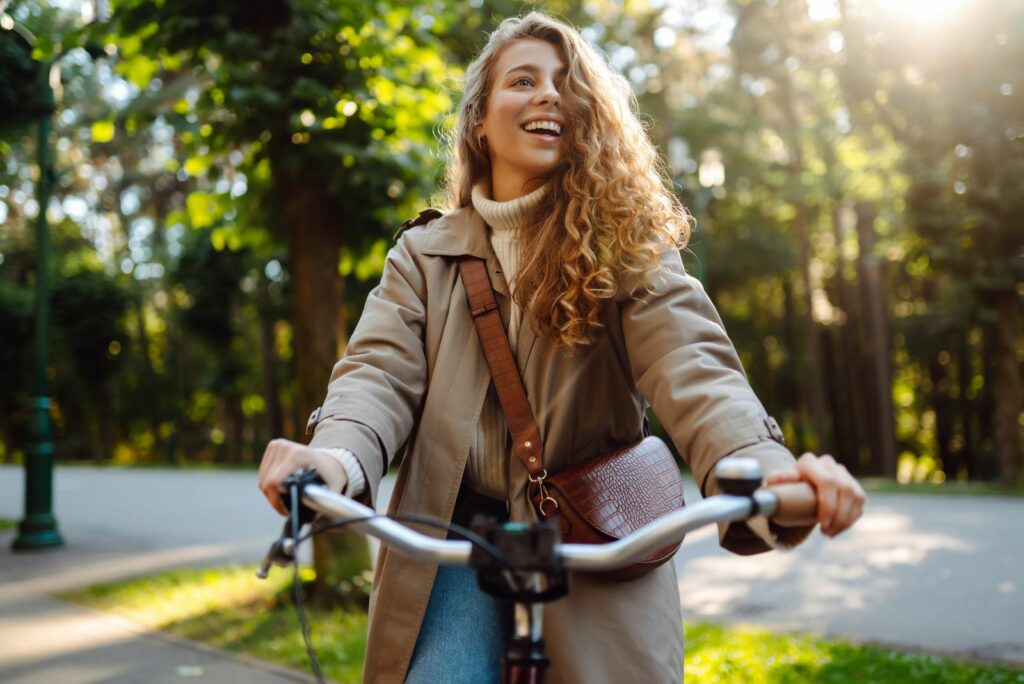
<point x="840" y="496"/>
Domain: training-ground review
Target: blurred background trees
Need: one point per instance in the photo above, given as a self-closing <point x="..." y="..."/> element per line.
<point x="231" y="176"/>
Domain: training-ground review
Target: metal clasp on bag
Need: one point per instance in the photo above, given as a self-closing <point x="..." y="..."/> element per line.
<point x="545" y="497"/>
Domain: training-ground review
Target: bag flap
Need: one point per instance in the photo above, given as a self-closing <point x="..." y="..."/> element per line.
<point x="620" y="492"/>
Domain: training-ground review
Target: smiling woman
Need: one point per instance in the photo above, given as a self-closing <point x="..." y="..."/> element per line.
<point x="558" y="196"/>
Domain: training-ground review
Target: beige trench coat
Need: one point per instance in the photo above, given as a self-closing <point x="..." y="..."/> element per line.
<point x="414" y="373"/>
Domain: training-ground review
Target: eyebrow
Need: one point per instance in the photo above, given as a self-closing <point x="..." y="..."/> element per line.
<point x="533" y="69"/>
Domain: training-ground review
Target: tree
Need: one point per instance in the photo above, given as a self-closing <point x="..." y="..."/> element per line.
<point x="329" y="105"/>
<point x="951" y="110"/>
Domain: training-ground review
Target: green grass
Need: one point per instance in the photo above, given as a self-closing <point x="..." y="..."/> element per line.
<point x="6" y="525"/>
<point x="759" y="656"/>
<point x="229" y="608"/>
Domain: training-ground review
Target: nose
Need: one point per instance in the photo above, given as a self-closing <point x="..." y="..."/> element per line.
<point x="548" y="95"/>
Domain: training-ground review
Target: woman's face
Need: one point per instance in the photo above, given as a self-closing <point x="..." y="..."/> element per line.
<point x="523" y="125"/>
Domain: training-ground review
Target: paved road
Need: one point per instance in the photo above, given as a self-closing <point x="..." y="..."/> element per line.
<point x="931" y="572"/>
<point x="940" y="573"/>
<point x="120" y="523"/>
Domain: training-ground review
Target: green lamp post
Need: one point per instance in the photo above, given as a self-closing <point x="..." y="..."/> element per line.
<point x="38" y="529"/>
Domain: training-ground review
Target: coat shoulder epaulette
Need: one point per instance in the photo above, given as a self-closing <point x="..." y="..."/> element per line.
<point x="426" y="216"/>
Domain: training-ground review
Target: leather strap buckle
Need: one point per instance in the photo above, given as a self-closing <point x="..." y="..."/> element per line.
<point x="484" y="307"/>
<point x="545" y="496"/>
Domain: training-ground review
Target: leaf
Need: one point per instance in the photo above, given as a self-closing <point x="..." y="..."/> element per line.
<point x="102" y="131"/>
<point x="202" y="209"/>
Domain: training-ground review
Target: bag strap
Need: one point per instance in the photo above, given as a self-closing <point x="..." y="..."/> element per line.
<point x="526" y="439"/>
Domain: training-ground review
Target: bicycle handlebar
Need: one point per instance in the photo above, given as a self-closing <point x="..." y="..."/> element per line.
<point x="788" y="504"/>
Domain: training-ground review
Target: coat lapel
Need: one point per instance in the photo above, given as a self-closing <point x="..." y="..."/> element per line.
<point x="524" y="343"/>
<point x="463" y="232"/>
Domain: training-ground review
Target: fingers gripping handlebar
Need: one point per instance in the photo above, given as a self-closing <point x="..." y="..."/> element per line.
<point x="282" y="551"/>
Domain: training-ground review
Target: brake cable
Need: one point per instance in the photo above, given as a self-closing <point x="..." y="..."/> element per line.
<point x="296" y="523"/>
<point x="297" y="594"/>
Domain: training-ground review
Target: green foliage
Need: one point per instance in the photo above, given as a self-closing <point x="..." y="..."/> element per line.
<point x="89" y="309"/>
<point x="210" y="278"/>
<point x="225" y="130"/>
<point x="19" y="101"/>
<point x="344" y="96"/>
<point x="16" y="319"/>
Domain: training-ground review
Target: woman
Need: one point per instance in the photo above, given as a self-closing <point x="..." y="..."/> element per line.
<point x="554" y="183"/>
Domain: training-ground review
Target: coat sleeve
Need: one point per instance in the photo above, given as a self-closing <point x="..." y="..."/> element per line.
<point x="376" y="388"/>
<point x="685" y="366"/>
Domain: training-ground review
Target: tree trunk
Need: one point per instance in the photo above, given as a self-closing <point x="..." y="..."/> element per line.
<point x="274" y="421"/>
<point x="943" y="407"/>
<point x="787" y="392"/>
<point x="1007" y="390"/>
<point x="852" y="409"/>
<point x="813" y="378"/>
<point x="877" y="333"/>
<point x="987" y="462"/>
<point x="234" y="418"/>
<point x="965" y="405"/>
<point x="152" y="379"/>
<point x="314" y="240"/>
<point x="837" y="395"/>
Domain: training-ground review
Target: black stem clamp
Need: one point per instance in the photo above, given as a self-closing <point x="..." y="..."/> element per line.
<point x="527" y="551"/>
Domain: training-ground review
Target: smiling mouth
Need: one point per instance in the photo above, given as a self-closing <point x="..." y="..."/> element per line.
<point x="548" y="129"/>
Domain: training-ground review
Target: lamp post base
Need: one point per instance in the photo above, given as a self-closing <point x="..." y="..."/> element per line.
<point x="37" y="532"/>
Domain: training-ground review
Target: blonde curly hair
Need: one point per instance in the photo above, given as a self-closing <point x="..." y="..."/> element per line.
<point x="609" y="213"/>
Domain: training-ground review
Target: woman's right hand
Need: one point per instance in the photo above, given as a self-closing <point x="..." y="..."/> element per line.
<point x="283" y="457"/>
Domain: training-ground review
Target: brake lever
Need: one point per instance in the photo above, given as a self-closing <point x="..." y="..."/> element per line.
<point x="281" y="553"/>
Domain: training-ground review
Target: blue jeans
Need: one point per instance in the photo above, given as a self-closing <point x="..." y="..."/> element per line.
<point x="462" y="638"/>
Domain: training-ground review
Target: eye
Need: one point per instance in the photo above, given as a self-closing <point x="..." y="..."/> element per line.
<point x="522" y="79"/>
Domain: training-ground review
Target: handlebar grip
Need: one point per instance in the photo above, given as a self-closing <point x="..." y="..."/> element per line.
<point x="798" y="504"/>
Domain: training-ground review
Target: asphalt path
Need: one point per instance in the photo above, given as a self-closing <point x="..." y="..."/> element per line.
<point x="922" y="572"/>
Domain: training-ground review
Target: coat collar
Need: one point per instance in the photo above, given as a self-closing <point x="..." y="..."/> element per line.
<point x="457" y="233"/>
<point x="464" y="232"/>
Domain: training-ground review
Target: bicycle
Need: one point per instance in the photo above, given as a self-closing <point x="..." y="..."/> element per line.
<point x="527" y="564"/>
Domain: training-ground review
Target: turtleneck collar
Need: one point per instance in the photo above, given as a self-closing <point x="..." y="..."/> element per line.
<point x="503" y="216"/>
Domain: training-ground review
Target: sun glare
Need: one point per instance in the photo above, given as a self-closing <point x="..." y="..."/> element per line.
<point x="923" y="14"/>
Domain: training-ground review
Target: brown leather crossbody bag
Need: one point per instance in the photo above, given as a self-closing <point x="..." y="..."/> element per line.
<point x="599" y="500"/>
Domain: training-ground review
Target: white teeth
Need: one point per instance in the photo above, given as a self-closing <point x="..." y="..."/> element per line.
<point x="553" y="126"/>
